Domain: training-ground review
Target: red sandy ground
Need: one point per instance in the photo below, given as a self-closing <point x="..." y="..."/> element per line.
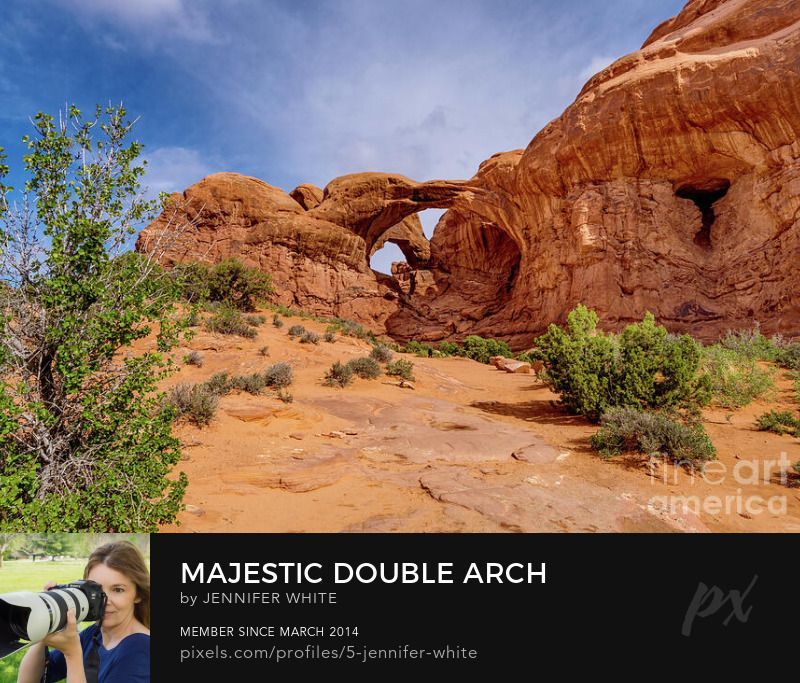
<point x="439" y="457"/>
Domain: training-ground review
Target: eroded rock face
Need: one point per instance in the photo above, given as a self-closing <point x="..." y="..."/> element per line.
<point x="318" y="253"/>
<point x="671" y="184"/>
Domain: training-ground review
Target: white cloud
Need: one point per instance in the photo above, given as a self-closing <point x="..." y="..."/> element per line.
<point x="175" y="18"/>
<point x="173" y="169"/>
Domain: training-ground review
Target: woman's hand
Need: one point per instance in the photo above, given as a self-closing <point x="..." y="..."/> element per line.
<point x="67" y="639"/>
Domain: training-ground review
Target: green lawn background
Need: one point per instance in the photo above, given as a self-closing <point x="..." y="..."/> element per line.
<point x="25" y="575"/>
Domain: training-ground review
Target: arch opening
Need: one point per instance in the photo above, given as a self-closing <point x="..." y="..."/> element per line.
<point x="384" y="256"/>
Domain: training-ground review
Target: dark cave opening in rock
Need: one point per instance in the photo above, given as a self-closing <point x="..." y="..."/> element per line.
<point x="704" y="195"/>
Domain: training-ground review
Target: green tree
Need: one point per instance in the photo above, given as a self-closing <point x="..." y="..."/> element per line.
<point x="8" y="543"/>
<point x="85" y="437"/>
<point x="53" y="544"/>
<point x="233" y="282"/>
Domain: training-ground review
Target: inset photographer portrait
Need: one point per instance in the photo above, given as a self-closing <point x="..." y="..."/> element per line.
<point x="55" y="626"/>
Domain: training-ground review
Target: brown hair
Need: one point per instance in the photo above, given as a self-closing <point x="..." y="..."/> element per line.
<point x="126" y="558"/>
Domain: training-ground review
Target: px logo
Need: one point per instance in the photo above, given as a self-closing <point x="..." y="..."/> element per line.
<point x="708" y="601"/>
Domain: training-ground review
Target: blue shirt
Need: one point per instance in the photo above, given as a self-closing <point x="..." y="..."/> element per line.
<point x="127" y="662"/>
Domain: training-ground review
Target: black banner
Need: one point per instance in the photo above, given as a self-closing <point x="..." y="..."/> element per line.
<point x="240" y="605"/>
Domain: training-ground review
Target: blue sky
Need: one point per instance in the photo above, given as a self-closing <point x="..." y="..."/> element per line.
<point x="295" y="92"/>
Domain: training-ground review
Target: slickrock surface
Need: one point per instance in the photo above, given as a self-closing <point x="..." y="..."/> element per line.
<point x="471" y="448"/>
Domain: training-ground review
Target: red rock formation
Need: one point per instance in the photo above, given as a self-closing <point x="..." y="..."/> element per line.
<point x="318" y="258"/>
<point x="671" y="184"/>
<point x="307" y="195"/>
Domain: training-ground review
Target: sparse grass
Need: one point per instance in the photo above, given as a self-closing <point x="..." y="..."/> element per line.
<point x="255" y="320"/>
<point x="339" y="375"/>
<point x="284" y="396"/>
<point x="349" y="328"/>
<point x="401" y="368"/>
<point x="750" y="344"/>
<point x="627" y="430"/>
<point x="309" y="337"/>
<point x="779" y="423"/>
<point x="197" y="403"/>
<point x="365" y="368"/>
<point x="277" y="321"/>
<point x="735" y="379"/>
<point x="282" y="310"/>
<point x="329" y="337"/>
<point x="297" y="331"/>
<point x="194" y="358"/>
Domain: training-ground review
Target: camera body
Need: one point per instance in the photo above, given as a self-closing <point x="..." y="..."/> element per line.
<point x="31" y="617"/>
<point x="95" y="598"/>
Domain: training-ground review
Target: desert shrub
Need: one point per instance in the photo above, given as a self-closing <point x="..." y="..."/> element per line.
<point x="234" y="283"/>
<point x="381" y="353"/>
<point x="779" y="423"/>
<point x="279" y="375"/>
<point x="277" y="321"/>
<point x="480" y="349"/>
<point x="193" y="317"/>
<point x="447" y="348"/>
<point x="401" y="368"/>
<point x="219" y="383"/>
<point x="348" y="328"/>
<point x="194" y="358"/>
<point x="309" y="337"/>
<point x="252" y="383"/>
<point x="284" y="396"/>
<point x="297" y="331"/>
<point x="365" y="368"/>
<point x="329" y="337"/>
<point x="789" y="356"/>
<point x="750" y="344"/>
<point x="735" y="380"/>
<point x="282" y="310"/>
<point x="229" y="320"/>
<point x="529" y="356"/>
<point x="339" y="375"/>
<point x="197" y="402"/>
<point x="630" y="430"/>
<point x="643" y="367"/>
<point x="255" y="320"/>
<point x="191" y="279"/>
<point x="418" y="348"/>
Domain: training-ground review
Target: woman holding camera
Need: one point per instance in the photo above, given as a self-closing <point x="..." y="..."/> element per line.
<point x="115" y="649"/>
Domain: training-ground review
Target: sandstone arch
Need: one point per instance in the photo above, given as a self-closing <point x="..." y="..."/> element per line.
<point x="671" y="184"/>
